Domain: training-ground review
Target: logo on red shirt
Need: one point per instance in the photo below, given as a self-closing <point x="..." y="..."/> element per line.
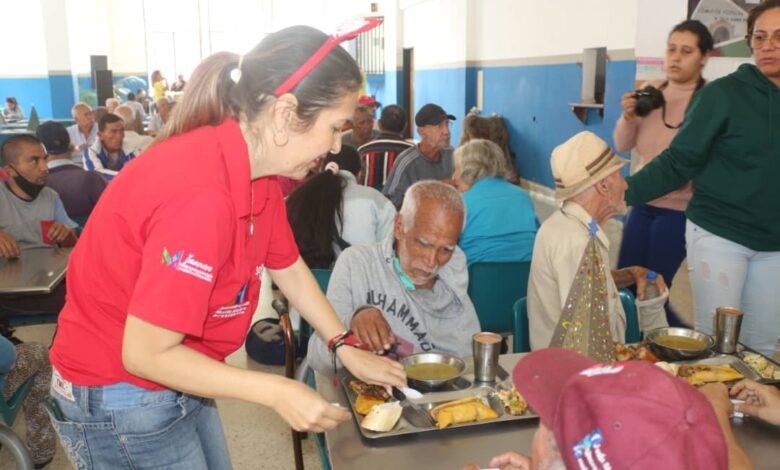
<point x="188" y="265"/>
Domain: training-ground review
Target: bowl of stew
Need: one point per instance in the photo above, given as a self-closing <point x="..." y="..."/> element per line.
<point x="432" y="369"/>
<point x="678" y="344"/>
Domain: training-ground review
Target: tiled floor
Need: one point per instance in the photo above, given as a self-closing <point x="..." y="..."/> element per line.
<point x="257" y="437"/>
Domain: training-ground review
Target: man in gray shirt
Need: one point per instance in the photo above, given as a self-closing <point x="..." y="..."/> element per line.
<point x="31" y="216"/>
<point x="407" y="294"/>
<point x="430" y="160"/>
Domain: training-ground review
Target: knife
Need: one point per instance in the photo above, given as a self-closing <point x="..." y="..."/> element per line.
<point x="419" y="411"/>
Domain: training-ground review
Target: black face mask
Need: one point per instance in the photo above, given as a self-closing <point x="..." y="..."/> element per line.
<point x="32" y="189"/>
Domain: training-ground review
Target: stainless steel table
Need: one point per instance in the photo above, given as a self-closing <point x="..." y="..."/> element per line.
<point x="36" y="271"/>
<point x="454" y="448"/>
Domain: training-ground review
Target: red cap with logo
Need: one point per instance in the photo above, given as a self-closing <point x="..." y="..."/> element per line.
<point x="623" y="415"/>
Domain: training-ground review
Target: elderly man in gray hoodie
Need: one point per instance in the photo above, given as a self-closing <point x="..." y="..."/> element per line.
<point x="407" y="294"/>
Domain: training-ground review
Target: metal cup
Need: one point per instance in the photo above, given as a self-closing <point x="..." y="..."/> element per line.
<point x="728" y="321"/>
<point x="485" y="347"/>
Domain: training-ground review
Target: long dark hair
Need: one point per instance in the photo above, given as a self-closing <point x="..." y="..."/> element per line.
<point x="314" y="208"/>
<point x="212" y="95"/>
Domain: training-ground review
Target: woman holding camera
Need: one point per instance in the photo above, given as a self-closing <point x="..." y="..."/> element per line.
<point x="654" y="234"/>
<point x="730" y="148"/>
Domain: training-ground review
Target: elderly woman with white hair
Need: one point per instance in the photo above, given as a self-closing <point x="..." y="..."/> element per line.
<point x="500" y="220"/>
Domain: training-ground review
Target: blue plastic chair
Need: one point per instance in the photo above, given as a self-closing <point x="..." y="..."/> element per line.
<point x="493" y="289"/>
<point x="323" y="278"/>
<point x="521" y="343"/>
<point x="633" y="335"/>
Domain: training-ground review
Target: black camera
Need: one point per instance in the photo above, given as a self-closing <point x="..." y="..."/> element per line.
<point x="648" y="99"/>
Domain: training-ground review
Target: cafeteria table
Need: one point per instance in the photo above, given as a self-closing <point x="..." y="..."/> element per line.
<point x="35" y="271"/>
<point x="454" y="448"/>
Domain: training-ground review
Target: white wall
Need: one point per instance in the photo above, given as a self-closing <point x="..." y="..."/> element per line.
<point x="510" y="29"/>
<point x="24" y="48"/>
<point x="435" y="29"/>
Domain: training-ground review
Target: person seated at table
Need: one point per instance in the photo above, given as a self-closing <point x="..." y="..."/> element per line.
<point x="12" y="110"/>
<point x="132" y="140"/>
<point x="79" y="189"/>
<point x="430" y="160"/>
<point x="590" y="187"/>
<point x="600" y="416"/>
<point x="112" y="104"/>
<point x="17" y="364"/>
<point x="108" y="152"/>
<point x="84" y="132"/>
<point x="500" y="220"/>
<point x="138" y="108"/>
<point x="158" y="121"/>
<point x="407" y="293"/>
<point x="379" y="154"/>
<point x="331" y="211"/>
<point x="362" y="128"/>
<point x="178" y="85"/>
<point x="31" y="216"/>
<point x="98" y="114"/>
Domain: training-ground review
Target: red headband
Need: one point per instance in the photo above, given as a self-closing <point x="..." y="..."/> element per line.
<point x="352" y="30"/>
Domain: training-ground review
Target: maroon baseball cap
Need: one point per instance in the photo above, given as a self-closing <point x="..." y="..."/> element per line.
<point x="624" y="415"/>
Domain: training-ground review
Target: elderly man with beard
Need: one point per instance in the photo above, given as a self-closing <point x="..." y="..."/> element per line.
<point x="590" y="190"/>
<point x="407" y="294"/>
<point x="430" y="160"/>
<point x="31" y="216"/>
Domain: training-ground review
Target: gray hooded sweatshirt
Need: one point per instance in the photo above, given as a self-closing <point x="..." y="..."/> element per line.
<point x="440" y="319"/>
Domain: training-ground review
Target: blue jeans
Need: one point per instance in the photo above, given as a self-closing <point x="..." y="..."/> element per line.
<point x="654" y="237"/>
<point x="122" y="426"/>
<point x="727" y="274"/>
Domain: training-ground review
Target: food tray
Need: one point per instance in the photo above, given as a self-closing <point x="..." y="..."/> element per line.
<point x="741" y="354"/>
<point x="725" y="360"/>
<point x="428" y="401"/>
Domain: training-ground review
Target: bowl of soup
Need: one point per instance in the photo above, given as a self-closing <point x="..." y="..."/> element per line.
<point x="678" y="344"/>
<point x="432" y="370"/>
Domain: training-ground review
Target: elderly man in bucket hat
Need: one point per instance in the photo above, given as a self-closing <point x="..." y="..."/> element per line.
<point x="589" y="190"/>
<point x="598" y="416"/>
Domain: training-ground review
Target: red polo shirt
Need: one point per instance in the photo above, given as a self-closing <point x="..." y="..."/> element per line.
<point x="170" y="242"/>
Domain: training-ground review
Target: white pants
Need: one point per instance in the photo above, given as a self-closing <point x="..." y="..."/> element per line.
<point x="726" y="274"/>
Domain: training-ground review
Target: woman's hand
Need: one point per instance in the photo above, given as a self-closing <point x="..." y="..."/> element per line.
<point x="304" y="410"/>
<point x="628" y="102"/>
<point x="761" y="401"/>
<point x="371" y="368"/>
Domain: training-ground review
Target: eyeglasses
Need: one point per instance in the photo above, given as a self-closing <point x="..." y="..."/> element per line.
<point x="757" y="40"/>
<point x="351" y="30"/>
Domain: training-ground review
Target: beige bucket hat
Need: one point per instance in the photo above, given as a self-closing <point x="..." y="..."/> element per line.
<point x="580" y="162"/>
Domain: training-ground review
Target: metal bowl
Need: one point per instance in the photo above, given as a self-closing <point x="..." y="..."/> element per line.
<point x="678" y="354"/>
<point x="435" y="358"/>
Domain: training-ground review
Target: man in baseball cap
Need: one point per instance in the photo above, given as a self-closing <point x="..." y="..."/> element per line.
<point x="432" y="159"/>
<point x="79" y="189"/>
<point x="590" y="190"/>
<point x="626" y="415"/>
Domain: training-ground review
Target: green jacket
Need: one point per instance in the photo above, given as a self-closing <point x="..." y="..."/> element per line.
<point x="730" y="147"/>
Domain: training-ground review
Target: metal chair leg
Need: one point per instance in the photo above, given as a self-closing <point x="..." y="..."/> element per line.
<point x="289" y="368"/>
<point x="17" y="448"/>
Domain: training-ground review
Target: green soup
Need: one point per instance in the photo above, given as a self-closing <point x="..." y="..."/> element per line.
<point x="431" y="371"/>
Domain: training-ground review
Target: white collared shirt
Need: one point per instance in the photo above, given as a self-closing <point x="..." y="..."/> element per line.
<point x="558" y="250"/>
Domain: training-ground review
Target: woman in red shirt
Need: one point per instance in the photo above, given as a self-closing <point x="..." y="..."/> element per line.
<point x="163" y="284"/>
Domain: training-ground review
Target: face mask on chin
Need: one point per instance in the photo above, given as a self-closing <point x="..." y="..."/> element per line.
<point x="30" y="188"/>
